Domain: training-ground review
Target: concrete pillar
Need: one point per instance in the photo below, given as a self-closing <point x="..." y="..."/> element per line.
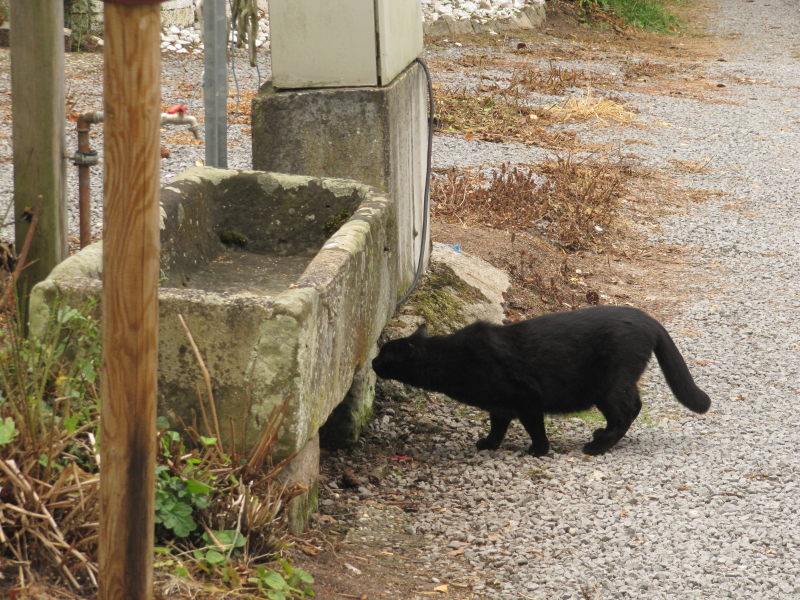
<point x="375" y="135"/>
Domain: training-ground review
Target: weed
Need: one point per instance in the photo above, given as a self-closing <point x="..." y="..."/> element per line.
<point x="293" y="583"/>
<point x="534" y="292"/>
<point x="591" y="416"/>
<point x="178" y="496"/>
<point x="333" y="224"/>
<point x="649" y="15"/>
<point x="569" y="202"/>
<point x="216" y="514"/>
<point x="49" y="402"/>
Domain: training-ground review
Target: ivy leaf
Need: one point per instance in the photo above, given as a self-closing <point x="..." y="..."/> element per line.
<point x="214" y="557"/>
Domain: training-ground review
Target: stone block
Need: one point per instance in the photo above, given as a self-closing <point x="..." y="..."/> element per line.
<point x="284" y="283"/>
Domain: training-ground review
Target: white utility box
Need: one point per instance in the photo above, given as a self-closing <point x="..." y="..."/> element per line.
<point x="342" y="43"/>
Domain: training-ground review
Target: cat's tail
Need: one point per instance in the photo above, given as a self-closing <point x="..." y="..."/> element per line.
<point x="677" y="375"/>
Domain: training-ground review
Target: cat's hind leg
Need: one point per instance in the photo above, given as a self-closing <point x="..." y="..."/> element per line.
<point x="498" y="425"/>
<point x="620" y="409"/>
<point x="533" y="421"/>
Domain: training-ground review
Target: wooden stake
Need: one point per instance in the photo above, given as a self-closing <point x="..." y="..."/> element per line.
<point x="130" y="298"/>
<point x="37" y="97"/>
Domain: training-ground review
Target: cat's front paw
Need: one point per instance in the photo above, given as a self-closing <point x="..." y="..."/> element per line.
<point x="487" y="444"/>
<point x="596" y="447"/>
<point x="539" y="449"/>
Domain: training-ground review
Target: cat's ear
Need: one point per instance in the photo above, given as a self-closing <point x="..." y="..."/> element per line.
<point x="422" y="331"/>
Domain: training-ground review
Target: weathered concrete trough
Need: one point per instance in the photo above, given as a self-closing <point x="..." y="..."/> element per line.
<point x="285" y="283"/>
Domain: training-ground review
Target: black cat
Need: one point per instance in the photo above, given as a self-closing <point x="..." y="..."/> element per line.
<point x="557" y="363"/>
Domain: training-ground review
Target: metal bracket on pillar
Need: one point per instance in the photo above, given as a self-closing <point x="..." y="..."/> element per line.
<point x="215" y="82"/>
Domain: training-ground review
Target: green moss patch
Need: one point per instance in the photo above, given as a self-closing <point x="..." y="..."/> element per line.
<point x="441" y="299"/>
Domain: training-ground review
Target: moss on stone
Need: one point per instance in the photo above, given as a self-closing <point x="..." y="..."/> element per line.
<point x="301" y="508"/>
<point x="442" y="297"/>
<point x="234" y="239"/>
<point x="333" y="224"/>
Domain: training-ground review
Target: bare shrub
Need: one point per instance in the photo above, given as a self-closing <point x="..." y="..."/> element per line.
<point x="571" y="203"/>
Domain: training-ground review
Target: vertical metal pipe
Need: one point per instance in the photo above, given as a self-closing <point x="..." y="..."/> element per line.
<point x="83" y="184"/>
<point x="215" y="82"/>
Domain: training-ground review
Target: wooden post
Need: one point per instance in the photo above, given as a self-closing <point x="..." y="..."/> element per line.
<point x="132" y="92"/>
<point x="37" y="97"/>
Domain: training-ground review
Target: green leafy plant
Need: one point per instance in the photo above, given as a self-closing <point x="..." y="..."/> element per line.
<point x="183" y="485"/>
<point x="217" y="515"/>
<point x="8" y="431"/>
<point x="220" y="546"/>
<point x="293" y="583"/>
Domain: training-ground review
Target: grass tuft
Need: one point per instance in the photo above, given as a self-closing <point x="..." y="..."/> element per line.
<point x="647" y="15"/>
<point x="587" y="108"/>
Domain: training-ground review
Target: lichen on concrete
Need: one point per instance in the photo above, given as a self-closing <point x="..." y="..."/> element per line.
<point x="441" y="299"/>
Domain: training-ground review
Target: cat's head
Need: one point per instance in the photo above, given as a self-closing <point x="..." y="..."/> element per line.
<point x="399" y="359"/>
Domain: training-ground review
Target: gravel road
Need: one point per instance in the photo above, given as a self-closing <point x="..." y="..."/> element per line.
<point x="685" y="506"/>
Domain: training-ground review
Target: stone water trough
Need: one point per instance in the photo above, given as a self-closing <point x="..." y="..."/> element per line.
<point x="285" y="283"/>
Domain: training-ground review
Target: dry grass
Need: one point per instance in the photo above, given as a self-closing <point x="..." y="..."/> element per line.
<point x="490" y="117"/>
<point x="691" y="166"/>
<point x="571" y="203"/>
<point x="571" y="52"/>
<point x="48" y="481"/>
<point x="480" y="61"/>
<point x="535" y="291"/>
<point x="495" y="118"/>
<point x="552" y="81"/>
<point x="602" y="110"/>
<point x="647" y="69"/>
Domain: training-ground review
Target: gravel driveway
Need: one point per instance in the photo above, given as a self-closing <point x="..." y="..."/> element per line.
<point x="685" y="506"/>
